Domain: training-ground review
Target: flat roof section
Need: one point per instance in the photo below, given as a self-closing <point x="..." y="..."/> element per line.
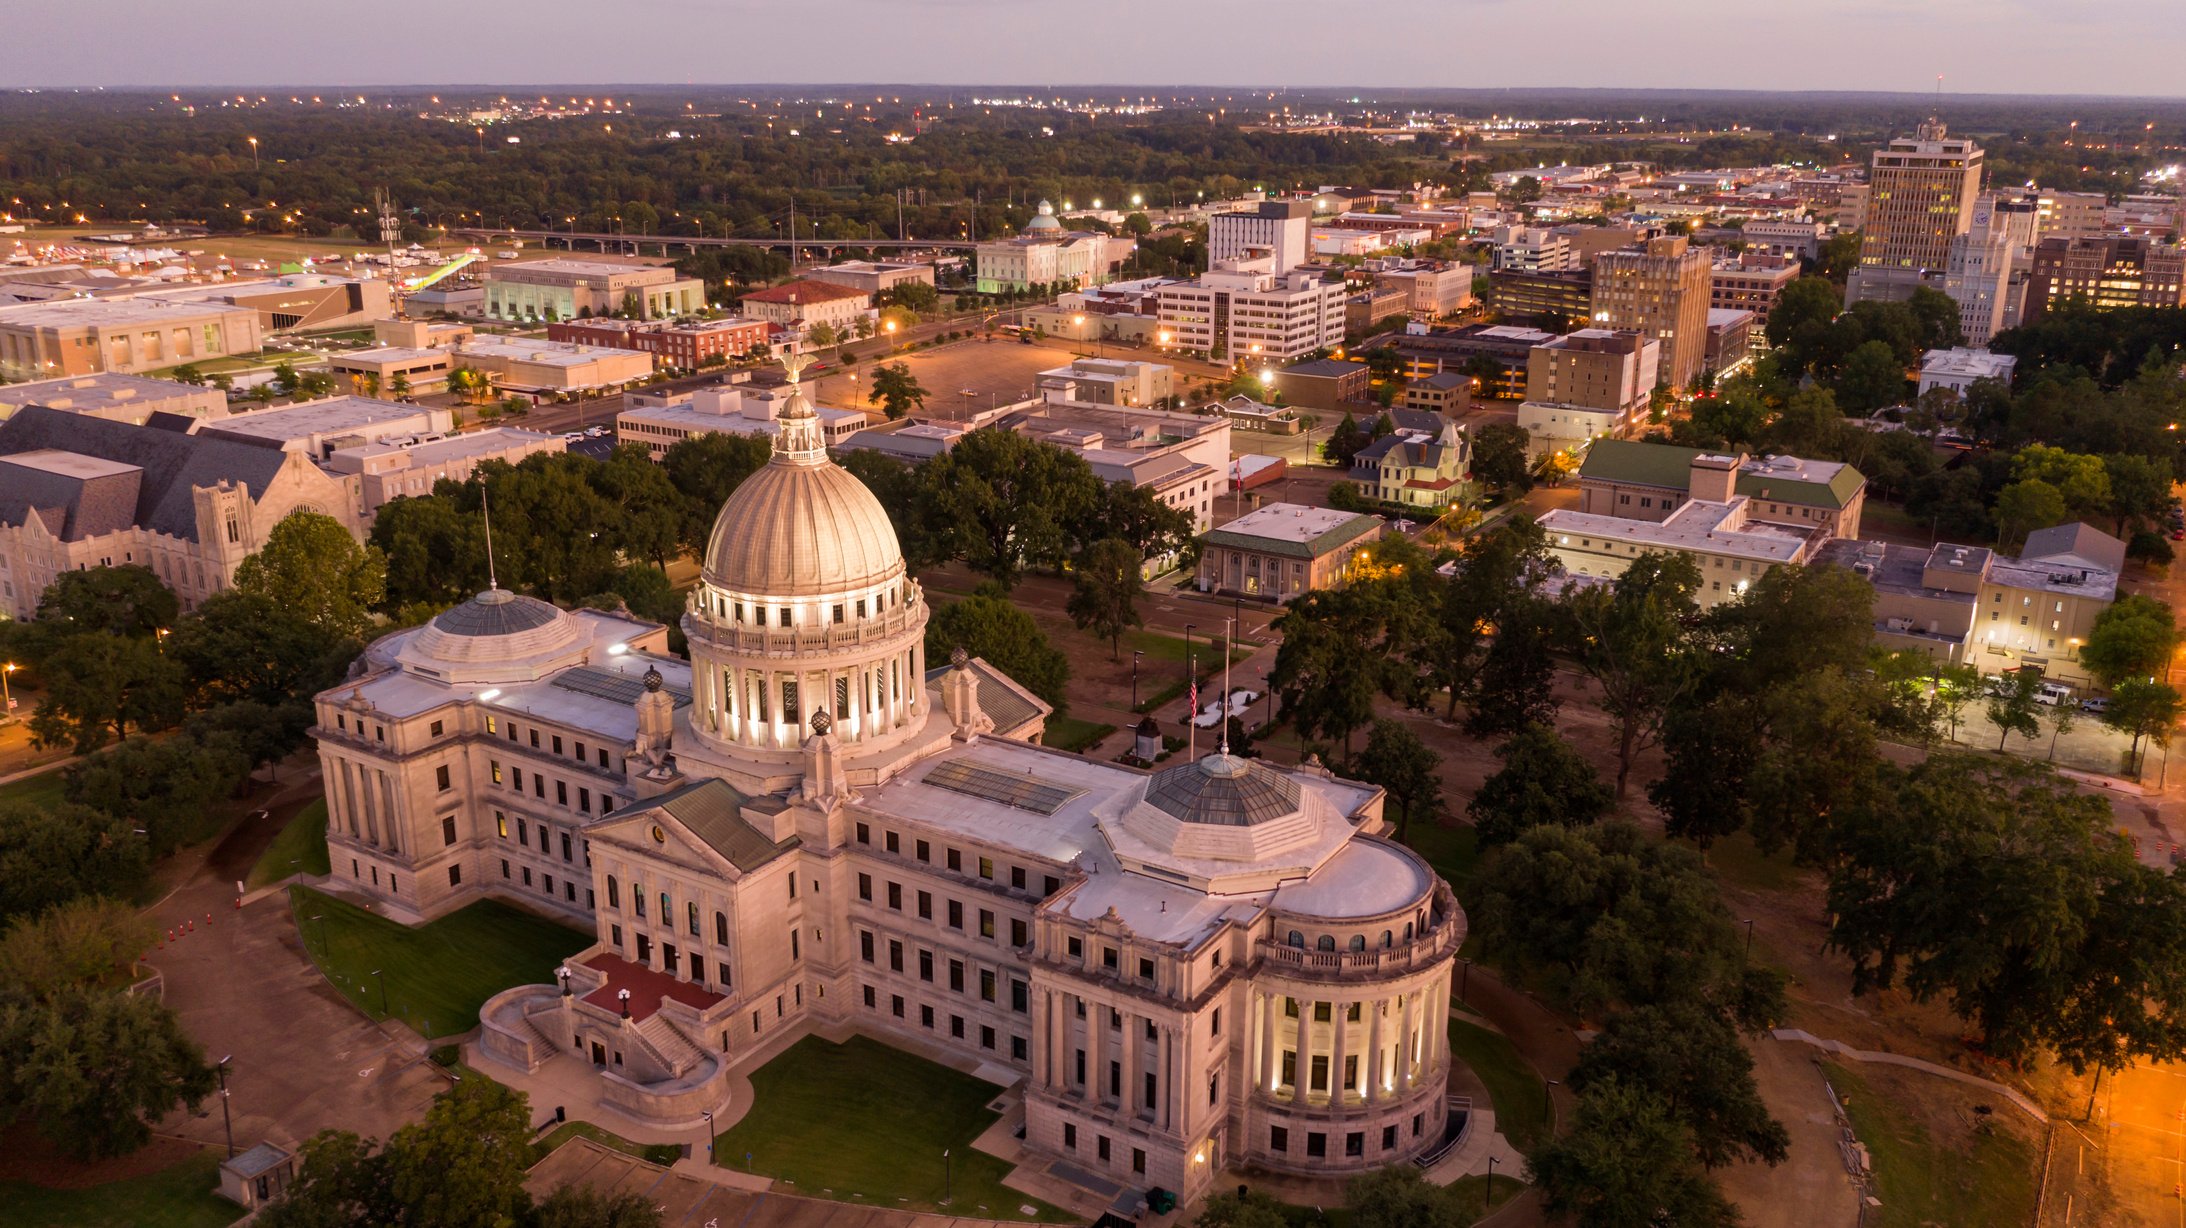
<point x="67" y="464"/>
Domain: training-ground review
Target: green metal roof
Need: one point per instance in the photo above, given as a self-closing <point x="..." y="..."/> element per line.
<point x="1632" y="463"/>
<point x="708" y="810"/>
<point x="1310" y="548"/>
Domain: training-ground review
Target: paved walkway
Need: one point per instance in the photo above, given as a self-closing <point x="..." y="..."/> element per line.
<point x="1841" y="1049"/>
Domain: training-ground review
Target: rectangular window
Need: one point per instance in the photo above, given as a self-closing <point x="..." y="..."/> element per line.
<point x="986" y="867"/>
<point x="926" y="905"/>
<point x="1017" y="932"/>
<point x="865" y="834"/>
<point x="926" y="966"/>
<point x="986" y="985"/>
<point x="895" y="896"/>
<point x="1017" y="877"/>
<point x="436" y="728"/>
<point x="986" y="923"/>
<point x="895" y="956"/>
<point x="447" y="830"/>
<point x="893" y="847"/>
<point x="956" y="861"/>
<point x="956" y="914"/>
<point x="455" y="876"/>
<point x="865" y="887"/>
<point x="922" y="851"/>
<point x="956" y="976"/>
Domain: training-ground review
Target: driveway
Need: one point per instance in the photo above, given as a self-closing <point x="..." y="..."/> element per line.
<point x="304" y="1060"/>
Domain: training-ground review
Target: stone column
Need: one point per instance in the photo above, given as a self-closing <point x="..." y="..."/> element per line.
<point x="1271" y="1042"/>
<point x="1096" y="1055"/>
<point x="1404" y="1047"/>
<point x="1373" y="1050"/>
<point x="1133" y="1058"/>
<point x="1336" y="1052"/>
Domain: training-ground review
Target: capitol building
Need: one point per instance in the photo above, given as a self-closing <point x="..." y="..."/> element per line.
<point x="809" y="827"/>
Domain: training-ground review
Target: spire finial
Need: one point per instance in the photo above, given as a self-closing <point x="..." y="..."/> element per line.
<point x="1229" y="649"/>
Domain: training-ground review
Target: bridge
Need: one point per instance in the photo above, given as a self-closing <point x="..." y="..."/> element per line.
<point x="606" y="240"/>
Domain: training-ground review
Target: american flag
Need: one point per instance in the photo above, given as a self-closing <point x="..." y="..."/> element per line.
<point x="1194" y="701"/>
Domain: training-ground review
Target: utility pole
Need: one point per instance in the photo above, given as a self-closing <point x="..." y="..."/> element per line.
<point x="899" y="215"/>
<point x="228" y="1122"/>
<point x="793" y="231"/>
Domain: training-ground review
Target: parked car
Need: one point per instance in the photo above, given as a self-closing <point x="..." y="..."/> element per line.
<point x="2050" y="694"/>
<point x="2096" y="704"/>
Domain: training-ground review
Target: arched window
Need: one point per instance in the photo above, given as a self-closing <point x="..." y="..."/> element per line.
<point x="667" y="911"/>
<point x="1407" y="931"/>
<point x="1296" y="939"/>
<point x="692" y="907"/>
<point x="614" y="892"/>
<point x="1388" y="939"/>
<point x="1358" y="942"/>
<point x="1327" y="942"/>
<point x="721" y="928"/>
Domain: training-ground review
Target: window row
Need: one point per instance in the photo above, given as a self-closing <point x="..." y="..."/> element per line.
<point x="1020" y="1047"/>
<point x="953" y="910"/>
<point x="959" y="974"/>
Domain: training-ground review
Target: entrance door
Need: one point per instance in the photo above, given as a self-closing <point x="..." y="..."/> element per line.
<point x="599" y="1054"/>
<point x="668" y="957"/>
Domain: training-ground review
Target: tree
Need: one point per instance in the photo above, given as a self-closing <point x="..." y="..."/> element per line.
<point x="2140" y="489"/>
<point x="2131" y="638"/>
<point x="96" y="686"/>
<point x="2144" y="709"/>
<point x="1151" y="526"/>
<point x="1630" y="639"/>
<point x="51" y="854"/>
<point x="1323" y="676"/>
<point x="1344" y="442"/>
<point x="987" y="625"/>
<point x="648" y="511"/>
<point x="1105" y="592"/>
<point x="163" y="786"/>
<point x="1691" y="1056"/>
<point x="1542" y="780"/>
<point x="435" y="550"/>
<point x="398" y="386"/>
<point x="2012" y="709"/>
<point x="1710" y="751"/>
<point x="84" y="943"/>
<point x="706" y="469"/>
<point x="1402" y="765"/>
<point x="1803" y="308"/>
<point x="1616" y="920"/>
<point x="1008" y="501"/>
<point x="245" y="647"/>
<point x="90" y="1067"/>
<point x="310" y="564"/>
<point x="340" y="1183"/>
<point x="901" y="490"/>
<point x="2081" y="480"/>
<point x="463" y="1166"/>
<point x="1627" y="1162"/>
<point x="128" y="600"/>
<point x="1871" y="379"/>
<point x="1250" y="1209"/>
<point x="1398" y="1196"/>
<point x="1499" y="458"/>
<point x="896" y="390"/>
<point x="1999" y="886"/>
<point x="2025" y="506"/>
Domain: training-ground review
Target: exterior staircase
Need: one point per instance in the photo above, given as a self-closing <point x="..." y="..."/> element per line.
<point x="675" y="1049"/>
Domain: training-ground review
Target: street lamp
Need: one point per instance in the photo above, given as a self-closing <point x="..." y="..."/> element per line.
<point x="889" y="326"/>
<point x="383" y="991"/>
<point x="623" y="996"/>
<point x="948" y="1178"/>
<point x="7" y="699"/>
<point x="1747" y="958"/>
<point x="562" y="973"/>
<point x="227" y="1121"/>
<point x="253" y="152"/>
<point x="1135" y="655"/>
<point x="712" y="1139"/>
<point x="1487" y="1193"/>
<point x="1464" y="979"/>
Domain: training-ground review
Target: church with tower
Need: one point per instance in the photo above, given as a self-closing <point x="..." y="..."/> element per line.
<point x="806" y="826"/>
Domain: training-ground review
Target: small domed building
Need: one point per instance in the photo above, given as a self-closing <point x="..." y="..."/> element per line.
<point x="807" y="826"/>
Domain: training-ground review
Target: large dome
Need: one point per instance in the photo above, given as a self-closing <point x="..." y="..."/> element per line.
<point x="802" y="530"/>
<point x="802" y="526"/>
<point x="497" y="636"/>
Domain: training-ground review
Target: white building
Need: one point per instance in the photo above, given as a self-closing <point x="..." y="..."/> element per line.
<point x="409" y="468"/>
<point x="1111" y="381"/>
<point x="1275" y="227"/>
<point x="1957" y="368"/>
<point x="1532" y="249"/>
<point x="659" y="421"/>
<point x="317" y="428"/>
<point x="801" y="829"/>
<point x="1047" y="255"/>
<point x="118" y="398"/>
<point x="1246" y="310"/>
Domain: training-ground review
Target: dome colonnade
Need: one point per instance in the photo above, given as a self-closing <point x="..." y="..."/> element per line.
<point x="804" y="605"/>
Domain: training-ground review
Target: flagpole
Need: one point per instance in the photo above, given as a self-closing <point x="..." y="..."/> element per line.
<point x="1229" y="649"/>
<point x="1191" y="710"/>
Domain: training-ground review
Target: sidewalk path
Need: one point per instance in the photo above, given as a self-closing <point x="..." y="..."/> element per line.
<point x="1841" y="1049"/>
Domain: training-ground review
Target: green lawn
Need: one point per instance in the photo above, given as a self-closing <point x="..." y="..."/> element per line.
<point x="1071" y="734"/>
<point x="663" y="1154"/>
<point x="1470" y="1194"/>
<point x="1520" y="1097"/>
<point x="438" y="974"/>
<point x="861" y="1122"/>
<point x="44" y="789"/>
<point x="176" y="1197"/>
<point x="1160" y="647"/>
<point x="300" y="848"/>
<point x="1983" y="1179"/>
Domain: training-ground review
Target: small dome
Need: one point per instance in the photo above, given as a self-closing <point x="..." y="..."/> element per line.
<point x="1225" y="791"/>
<point x="496" y="612"/>
<point x="497" y="636"/>
<point x="1044" y="218"/>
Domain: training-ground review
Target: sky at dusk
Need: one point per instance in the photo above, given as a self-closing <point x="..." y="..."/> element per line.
<point x="1980" y="46"/>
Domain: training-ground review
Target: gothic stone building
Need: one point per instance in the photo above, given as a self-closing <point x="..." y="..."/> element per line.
<point x="800" y="828"/>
